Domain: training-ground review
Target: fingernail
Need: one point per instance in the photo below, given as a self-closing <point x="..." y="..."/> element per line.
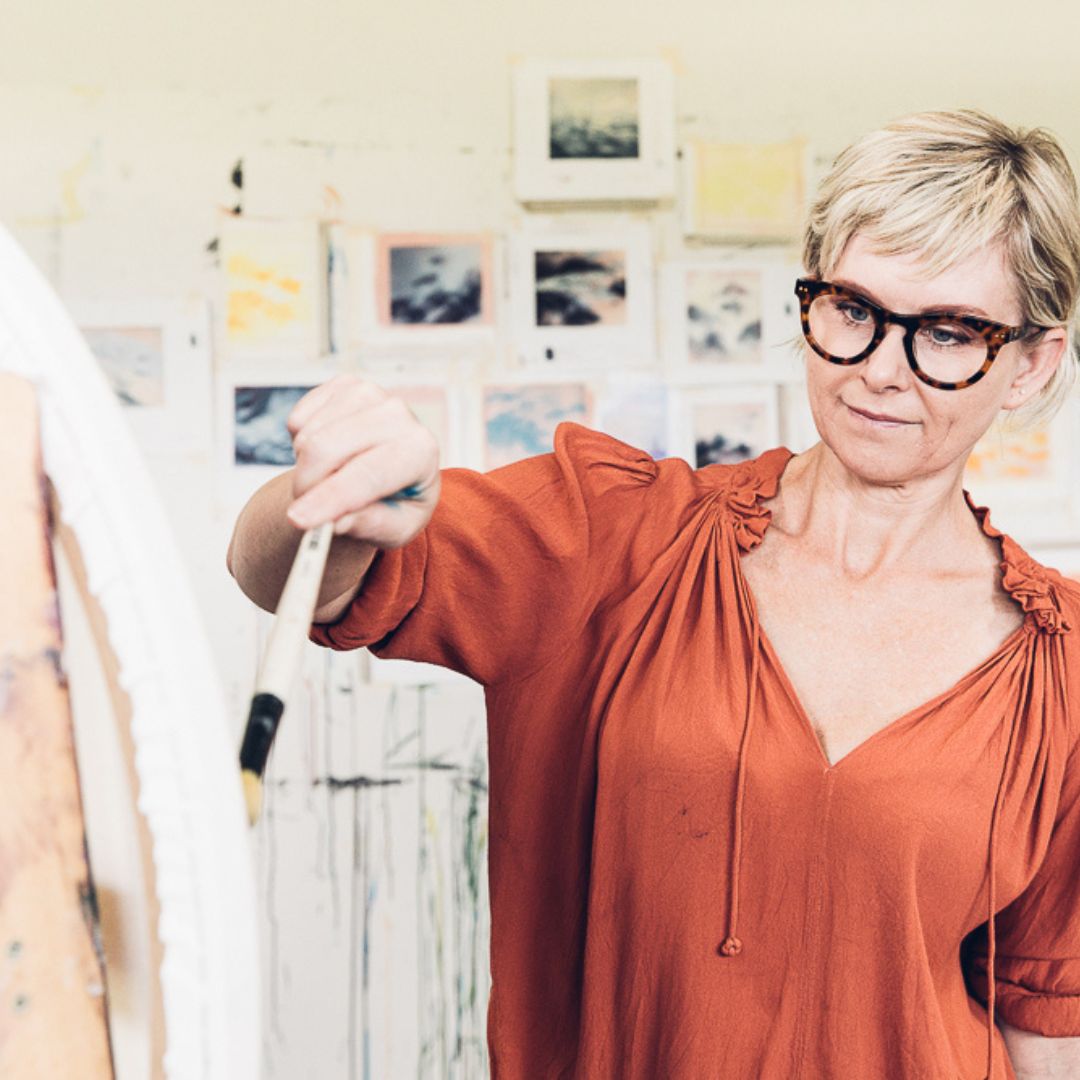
<point x="299" y="516"/>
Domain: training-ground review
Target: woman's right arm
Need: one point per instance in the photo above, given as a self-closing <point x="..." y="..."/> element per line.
<point x="355" y="446"/>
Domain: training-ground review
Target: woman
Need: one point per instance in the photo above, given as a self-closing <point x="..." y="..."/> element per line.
<point x="779" y="752"/>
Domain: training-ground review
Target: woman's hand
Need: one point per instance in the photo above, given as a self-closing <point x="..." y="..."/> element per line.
<point x="356" y="449"/>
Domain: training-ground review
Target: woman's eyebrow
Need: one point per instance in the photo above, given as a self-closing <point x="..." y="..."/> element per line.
<point x="935" y="309"/>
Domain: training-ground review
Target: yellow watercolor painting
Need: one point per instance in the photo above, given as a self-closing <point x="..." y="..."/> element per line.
<point x="1011" y="457"/>
<point x="744" y="190"/>
<point x="274" y="286"/>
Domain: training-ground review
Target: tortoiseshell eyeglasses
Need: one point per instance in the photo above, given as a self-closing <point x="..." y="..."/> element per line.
<point x="944" y="349"/>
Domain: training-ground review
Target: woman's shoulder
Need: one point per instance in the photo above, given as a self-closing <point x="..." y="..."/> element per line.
<point x="738" y="485"/>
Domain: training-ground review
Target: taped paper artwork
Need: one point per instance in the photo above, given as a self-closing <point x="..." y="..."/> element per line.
<point x="275" y="287"/>
<point x="745" y="191"/>
<point x="520" y="421"/>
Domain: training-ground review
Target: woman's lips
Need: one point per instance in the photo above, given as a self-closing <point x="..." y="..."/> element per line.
<point x="880" y="419"/>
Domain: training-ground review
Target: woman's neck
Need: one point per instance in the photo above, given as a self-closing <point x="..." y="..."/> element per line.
<point x="865" y="528"/>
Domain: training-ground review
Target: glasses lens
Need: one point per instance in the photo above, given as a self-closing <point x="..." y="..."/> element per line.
<point x="949" y="351"/>
<point x="841" y="325"/>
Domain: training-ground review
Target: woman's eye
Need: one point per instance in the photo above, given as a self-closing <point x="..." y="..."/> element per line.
<point x="854" y="312"/>
<point x="949" y="334"/>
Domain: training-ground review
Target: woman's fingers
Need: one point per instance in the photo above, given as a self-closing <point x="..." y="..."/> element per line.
<point x="376" y="473"/>
<point x="322" y="450"/>
<point x="363" y="461"/>
<point x="339" y="396"/>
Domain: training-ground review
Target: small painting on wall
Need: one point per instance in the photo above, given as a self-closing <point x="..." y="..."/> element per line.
<point x="740" y="191"/>
<point x="1028" y="478"/>
<point x="133" y="359"/>
<point x="635" y="411"/>
<point x="520" y="420"/>
<point x="730" y="317"/>
<point x="275" y="285"/>
<point x="156" y="356"/>
<point x="594" y="118"/>
<point x="580" y="288"/>
<point x="723" y="425"/>
<point x="260" y="434"/>
<point x="583" y="291"/>
<point x="433" y="281"/>
<point x="595" y="130"/>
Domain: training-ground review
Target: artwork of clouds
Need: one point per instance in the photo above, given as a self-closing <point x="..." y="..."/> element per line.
<point x="593" y="118"/>
<point x="520" y="421"/>
<point x="260" y="434"/>
<point x="580" y="288"/>
<point x="436" y="284"/>
<point x="637" y="415"/>
<point x="726" y="433"/>
<point x="723" y="315"/>
<point x="133" y="359"/>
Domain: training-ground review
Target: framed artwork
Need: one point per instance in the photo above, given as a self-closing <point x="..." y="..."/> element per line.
<point x="520" y="418"/>
<point x="595" y="130"/>
<point x="724" y="424"/>
<point x="730" y="317"/>
<point x="253" y="408"/>
<point x="274" y="288"/>
<point x="744" y="191"/>
<point x="406" y="289"/>
<point x="634" y="409"/>
<point x="1029" y="479"/>
<point x="583" y="292"/>
<point x="433" y="280"/>
<point x="156" y="356"/>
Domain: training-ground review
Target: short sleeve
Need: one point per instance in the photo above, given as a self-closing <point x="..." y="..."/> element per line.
<point x="1037" y="958"/>
<point x="513" y="561"/>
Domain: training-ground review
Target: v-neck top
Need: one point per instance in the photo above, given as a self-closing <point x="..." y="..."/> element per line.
<point x="681" y="885"/>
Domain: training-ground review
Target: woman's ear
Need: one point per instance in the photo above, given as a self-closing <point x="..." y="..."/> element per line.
<point x="1038" y="362"/>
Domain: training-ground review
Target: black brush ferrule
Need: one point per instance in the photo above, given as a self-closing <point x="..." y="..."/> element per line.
<point x="266" y="710"/>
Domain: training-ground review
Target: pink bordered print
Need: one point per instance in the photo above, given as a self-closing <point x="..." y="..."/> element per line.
<point x="433" y="283"/>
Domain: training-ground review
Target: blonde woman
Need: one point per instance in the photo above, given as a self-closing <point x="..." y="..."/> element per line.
<point x="782" y="781"/>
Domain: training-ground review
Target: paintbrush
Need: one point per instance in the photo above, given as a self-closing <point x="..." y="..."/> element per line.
<point x="284" y="651"/>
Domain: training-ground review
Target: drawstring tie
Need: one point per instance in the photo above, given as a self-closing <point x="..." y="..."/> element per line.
<point x="732" y="945"/>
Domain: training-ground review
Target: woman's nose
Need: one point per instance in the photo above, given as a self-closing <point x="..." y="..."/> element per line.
<point x="887" y="365"/>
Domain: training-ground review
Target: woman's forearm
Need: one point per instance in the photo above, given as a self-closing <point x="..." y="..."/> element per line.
<point x="1041" y="1057"/>
<point x="263" y="546"/>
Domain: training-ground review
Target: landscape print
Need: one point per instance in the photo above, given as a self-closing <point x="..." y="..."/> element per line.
<point x="133" y="359"/>
<point x="261" y="436"/>
<point x="580" y="288"/>
<point x="594" y="118"/>
<point x="520" y="421"/>
<point x="723" y="315"/>
<point x="727" y="432"/>
<point x="435" y="283"/>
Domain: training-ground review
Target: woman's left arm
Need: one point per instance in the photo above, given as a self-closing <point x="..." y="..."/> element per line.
<point x="1042" y="1057"/>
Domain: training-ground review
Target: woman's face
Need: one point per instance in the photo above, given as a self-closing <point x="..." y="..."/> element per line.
<point x="877" y="416"/>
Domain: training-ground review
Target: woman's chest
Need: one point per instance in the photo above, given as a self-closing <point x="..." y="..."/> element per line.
<point x="855" y="658"/>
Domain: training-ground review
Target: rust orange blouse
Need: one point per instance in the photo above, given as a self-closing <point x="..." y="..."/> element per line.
<point x="681" y="886"/>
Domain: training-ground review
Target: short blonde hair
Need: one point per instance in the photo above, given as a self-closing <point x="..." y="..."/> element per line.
<point x="945" y="184"/>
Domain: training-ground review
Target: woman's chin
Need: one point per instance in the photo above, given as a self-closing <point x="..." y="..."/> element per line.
<point x="878" y="464"/>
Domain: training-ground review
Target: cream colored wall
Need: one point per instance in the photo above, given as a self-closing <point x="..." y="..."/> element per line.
<point x="120" y="125"/>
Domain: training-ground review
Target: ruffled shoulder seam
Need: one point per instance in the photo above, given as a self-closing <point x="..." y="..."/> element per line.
<point x="740" y="490"/>
<point x="1036" y="588"/>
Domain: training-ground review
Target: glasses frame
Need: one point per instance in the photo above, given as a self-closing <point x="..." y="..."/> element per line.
<point x="995" y="334"/>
